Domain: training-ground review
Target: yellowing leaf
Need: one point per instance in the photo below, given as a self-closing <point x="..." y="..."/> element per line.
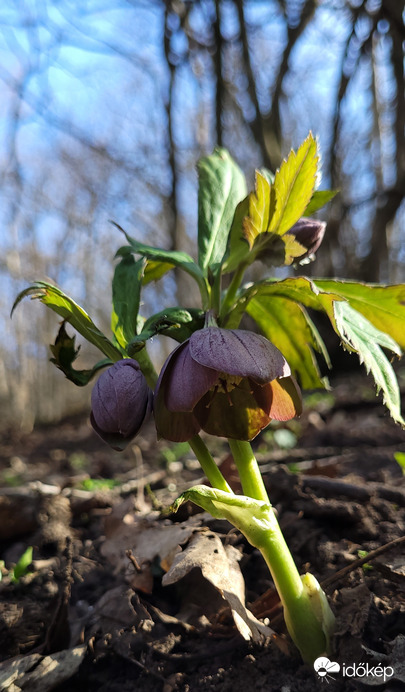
<point x="384" y="306"/>
<point x="273" y="208"/>
<point x="261" y="208"/>
<point x="285" y="323"/>
<point x="294" y="184"/>
<point x="292" y="248"/>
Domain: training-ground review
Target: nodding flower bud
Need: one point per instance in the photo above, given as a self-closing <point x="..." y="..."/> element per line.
<point x="309" y="233"/>
<point x="121" y="400"/>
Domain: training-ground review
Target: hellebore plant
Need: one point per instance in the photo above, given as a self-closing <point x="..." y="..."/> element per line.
<point x="223" y="379"/>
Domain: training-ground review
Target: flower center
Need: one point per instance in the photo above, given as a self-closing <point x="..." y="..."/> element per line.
<point x="226" y="383"/>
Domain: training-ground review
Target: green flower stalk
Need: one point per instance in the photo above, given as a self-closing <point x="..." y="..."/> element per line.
<point x="307" y="614"/>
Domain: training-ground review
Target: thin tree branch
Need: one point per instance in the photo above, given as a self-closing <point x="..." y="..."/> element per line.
<point x="220" y="85"/>
<point x="172" y="198"/>
<point x="272" y="122"/>
<point x="255" y="125"/>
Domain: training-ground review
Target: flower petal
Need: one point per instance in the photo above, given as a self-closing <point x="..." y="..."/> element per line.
<point x="170" y="425"/>
<point x="287" y="401"/>
<point x="114" y="440"/>
<point x="235" y="414"/>
<point x="177" y="427"/>
<point x="238" y="352"/>
<point x="309" y="233"/>
<point x="185" y="380"/>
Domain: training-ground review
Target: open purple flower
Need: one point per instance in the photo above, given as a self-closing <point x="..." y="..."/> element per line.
<point x="228" y="382"/>
<point x="121" y="400"/>
<point x="309" y="233"/>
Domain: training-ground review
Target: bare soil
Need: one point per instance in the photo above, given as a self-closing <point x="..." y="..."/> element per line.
<point x="92" y="613"/>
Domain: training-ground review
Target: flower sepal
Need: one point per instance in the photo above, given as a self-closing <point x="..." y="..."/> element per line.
<point x="251" y="517"/>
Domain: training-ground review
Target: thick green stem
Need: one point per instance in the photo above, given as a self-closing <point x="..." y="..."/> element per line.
<point x="147" y="367"/>
<point x="208" y="464"/>
<point x="216" y="293"/>
<point x="205" y="292"/>
<point x="248" y="469"/>
<point x="306" y="611"/>
<point x="307" y="614"/>
<point x="232" y="290"/>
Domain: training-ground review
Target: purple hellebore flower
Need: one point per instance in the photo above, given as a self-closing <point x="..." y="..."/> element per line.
<point x="121" y="400"/>
<point x="309" y="233"/>
<point x="228" y="382"/>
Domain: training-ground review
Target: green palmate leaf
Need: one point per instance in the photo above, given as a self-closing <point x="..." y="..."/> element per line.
<point x="384" y="306"/>
<point x="177" y="323"/>
<point x="172" y="257"/>
<point x="221" y="187"/>
<point x="358" y="334"/>
<point x="71" y="312"/>
<point x="318" y="200"/>
<point x="356" y="331"/>
<point x="294" y="185"/>
<point x="286" y="324"/>
<point x="126" y="294"/>
<point x="277" y="307"/>
<point x="301" y="290"/>
<point x="65" y="353"/>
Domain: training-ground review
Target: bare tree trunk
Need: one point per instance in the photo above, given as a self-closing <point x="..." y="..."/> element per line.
<point x="375" y="266"/>
<point x="220" y="85"/>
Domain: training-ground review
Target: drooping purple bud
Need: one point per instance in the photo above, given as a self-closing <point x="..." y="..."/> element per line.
<point x="309" y="233"/>
<point x="121" y="400"/>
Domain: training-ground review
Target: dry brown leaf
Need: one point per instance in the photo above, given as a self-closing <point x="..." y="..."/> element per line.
<point x="393" y="662"/>
<point x="48" y="671"/>
<point x="220" y="566"/>
<point x="13" y="670"/>
<point x="354" y="607"/>
<point x="147" y="541"/>
<point x="114" y="610"/>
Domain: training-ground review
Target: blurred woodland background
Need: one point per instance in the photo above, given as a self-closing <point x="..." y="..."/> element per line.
<point x="106" y="106"/>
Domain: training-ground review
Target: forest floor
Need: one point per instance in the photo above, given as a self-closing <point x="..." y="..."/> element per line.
<point x="99" y="605"/>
